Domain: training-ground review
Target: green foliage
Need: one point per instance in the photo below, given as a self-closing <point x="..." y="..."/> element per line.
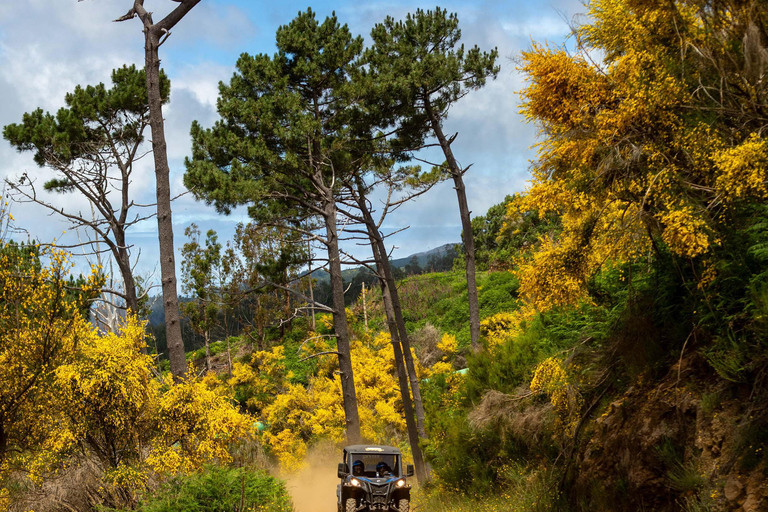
<point x="200" y="270"/>
<point x="260" y="145"/>
<point x="440" y="299"/>
<point x="701" y="502"/>
<point x="502" y="234"/>
<point x="752" y="441"/>
<point x="681" y="476"/>
<point x="525" y="490"/>
<point x="468" y="457"/>
<point x="710" y="402"/>
<point x="485" y="231"/>
<point x="415" y="70"/>
<point x="220" y="489"/>
<point x="77" y="129"/>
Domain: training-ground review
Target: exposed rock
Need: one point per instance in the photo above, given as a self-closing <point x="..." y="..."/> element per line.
<point x="624" y="462"/>
<point x="733" y="488"/>
<point x="752" y="504"/>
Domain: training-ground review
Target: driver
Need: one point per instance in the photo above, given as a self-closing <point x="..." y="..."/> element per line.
<point x="358" y="468"/>
<point x="383" y="469"/>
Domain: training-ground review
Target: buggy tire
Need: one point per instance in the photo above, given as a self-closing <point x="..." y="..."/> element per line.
<point x="351" y="505"/>
<point x="404" y="505"/>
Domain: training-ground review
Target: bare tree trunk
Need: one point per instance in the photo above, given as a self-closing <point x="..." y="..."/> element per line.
<point x="365" y="308"/>
<point x="469" y="250"/>
<point x="164" y="219"/>
<point x="403" y="335"/>
<point x="123" y="261"/>
<point x="152" y="34"/>
<point x="207" y="338"/>
<point x="466" y="226"/>
<point x="311" y="288"/>
<point x="399" y="337"/>
<point x="226" y="333"/>
<point x="340" y="326"/>
<point x="410" y="420"/>
<point x="229" y="357"/>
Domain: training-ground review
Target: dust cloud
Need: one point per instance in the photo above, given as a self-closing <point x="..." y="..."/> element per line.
<point x="313" y="488"/>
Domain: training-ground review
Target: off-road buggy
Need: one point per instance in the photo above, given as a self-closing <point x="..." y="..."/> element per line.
<point x="372" y="479"/>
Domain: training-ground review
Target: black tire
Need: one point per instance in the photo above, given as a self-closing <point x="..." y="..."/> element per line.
<point x="404" y="505"/>
<point x="351" y="505"/>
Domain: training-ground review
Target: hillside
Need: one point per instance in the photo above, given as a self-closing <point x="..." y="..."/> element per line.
<point x="426" y="260"/>
<point x="603" y="348"/>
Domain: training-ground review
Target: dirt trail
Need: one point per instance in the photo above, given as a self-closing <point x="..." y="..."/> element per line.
<point x="313" y="488"/>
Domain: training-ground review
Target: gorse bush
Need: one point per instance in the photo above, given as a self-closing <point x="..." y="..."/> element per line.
<point x="470" y="448"/>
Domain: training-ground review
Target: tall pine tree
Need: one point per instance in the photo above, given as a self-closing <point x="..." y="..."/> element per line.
<point x="419" y="71"/>
<point x="280" y="147"/>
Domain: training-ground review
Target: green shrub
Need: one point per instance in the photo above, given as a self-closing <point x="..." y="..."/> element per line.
<point x="220" y="489"/>
<point x="710" y="402"/>
<point x="752" y="442"/>
<point x="680" y="475"/>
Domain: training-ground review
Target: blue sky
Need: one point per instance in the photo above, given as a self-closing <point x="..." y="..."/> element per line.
<point x="47" y="47"/>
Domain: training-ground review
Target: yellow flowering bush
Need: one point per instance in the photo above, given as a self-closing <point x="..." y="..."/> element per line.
<point x="686" y="233"/>
<point x="550" y="378"/>
<point x="629" y="158"/>
<point x="743" y="170"/>
<point x="66" y="387"/>
<point x="448" y="344"/>
<point x="499" y="328"/>
<point x="298" y="415"/>
<point x="262" y="379"/>
<point x="196" y="421"/>
<point x="42" y="322"/>
<point x="108" y="394"/>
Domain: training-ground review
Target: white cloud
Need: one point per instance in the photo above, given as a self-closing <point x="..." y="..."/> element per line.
<point x="540" y="27"/>
<point x="47" y="47"/>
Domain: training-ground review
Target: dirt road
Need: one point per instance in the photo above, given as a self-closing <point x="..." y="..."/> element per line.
<point x="313" y="488"/>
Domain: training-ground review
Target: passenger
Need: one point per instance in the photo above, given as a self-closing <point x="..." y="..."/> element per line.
<point x="383" y="470"/>
<point x="358" y="468"/>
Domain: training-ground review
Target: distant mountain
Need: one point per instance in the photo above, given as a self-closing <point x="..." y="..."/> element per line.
<point x="422" y="259"/>
<point x="157" y="315"/>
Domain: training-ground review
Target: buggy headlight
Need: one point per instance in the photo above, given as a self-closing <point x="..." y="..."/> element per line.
<point x="400" y="483"/>
<point x="355" y="482"/>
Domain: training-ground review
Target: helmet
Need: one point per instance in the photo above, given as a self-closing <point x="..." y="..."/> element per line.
<point x="358" y="467"/>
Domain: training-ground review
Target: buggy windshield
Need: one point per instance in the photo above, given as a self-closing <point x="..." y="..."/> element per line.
<point x="370" y="461"/>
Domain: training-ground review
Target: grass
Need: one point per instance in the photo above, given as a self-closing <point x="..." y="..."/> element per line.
<point x="710" y="402"/>
<point x="522" y="492"/>
<point x="220" y="489"/>
<point x="441" y="299"/>
<point x="680" y="475"/>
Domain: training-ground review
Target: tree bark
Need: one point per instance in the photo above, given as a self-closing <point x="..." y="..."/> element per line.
<point x="466" y="225"/>
<point x="152" y="34"/>
<point x="3" y="440"/>
<point x="120" y="254"/>
<point x="399" y="335"/>
<point x="398" y="312"/>
<point x="311" y="287"/>
<point x="340" y="326"/>
<point x="403" y="334"/>
<point x="408" y="412"/>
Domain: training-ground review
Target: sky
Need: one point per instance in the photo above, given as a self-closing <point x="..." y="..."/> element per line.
<point x="47" y="47"/>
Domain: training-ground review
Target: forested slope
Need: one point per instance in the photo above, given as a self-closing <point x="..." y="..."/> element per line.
<point x="622" y="362"/>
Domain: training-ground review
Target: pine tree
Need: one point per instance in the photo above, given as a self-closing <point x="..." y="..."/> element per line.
<point x="91" y="144"/>
<point x="418" y="73"/>
<point x="155" y="34"/>
<point x="280" y="147"/>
